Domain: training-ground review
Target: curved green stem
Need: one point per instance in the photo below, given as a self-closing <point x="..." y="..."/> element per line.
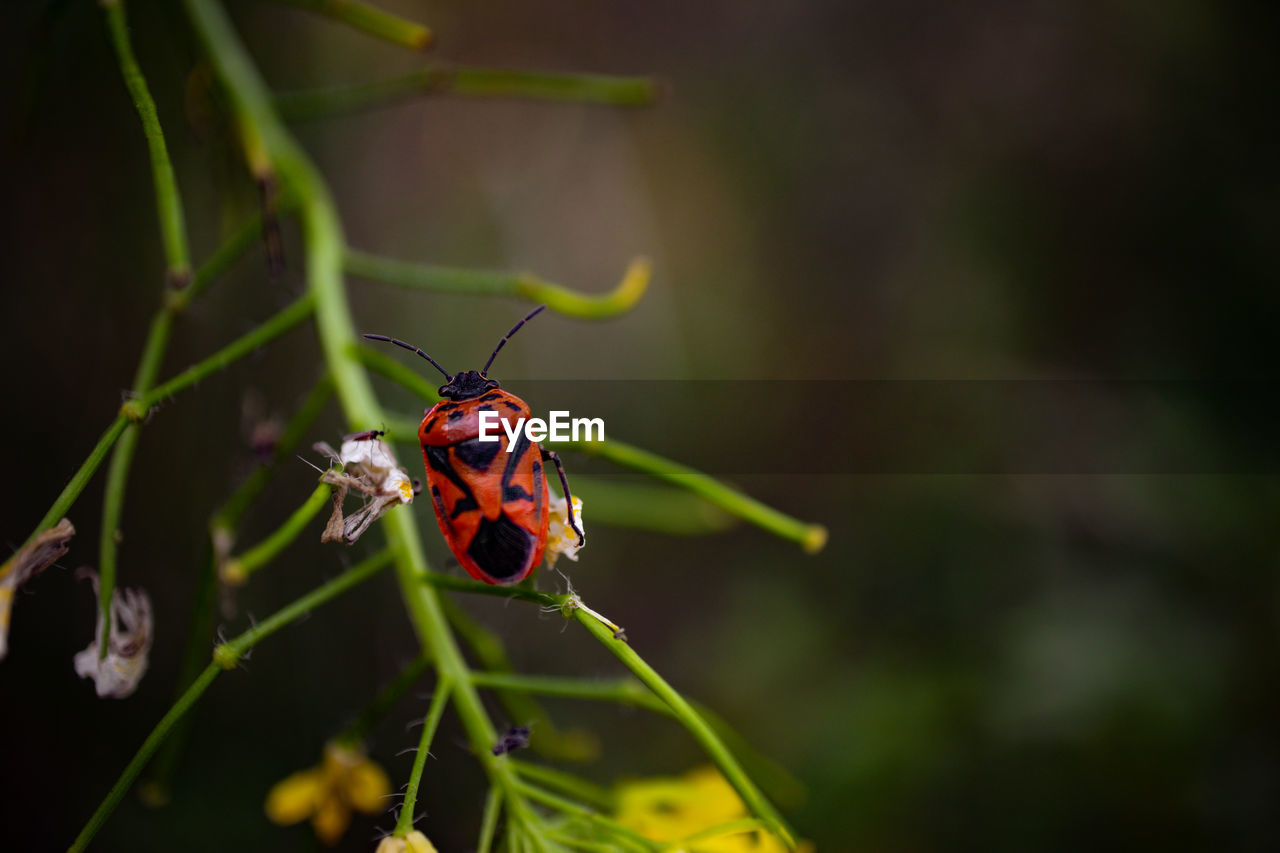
<point x="607" y="89"/>
<point x="391" y="694"/>
<point x="405" y="822"/>
<point x="634" y="282"/>
<point x="236" y="570"/>
<point x="173" y="229"/>
<point x="811" y="537"/>
<point x="368" y="19"/>
<point x="691" y="720"/>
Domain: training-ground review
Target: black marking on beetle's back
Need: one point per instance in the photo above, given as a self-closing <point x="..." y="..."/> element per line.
<point x="439" y="504"/>
<point x="446" y="407"/>
<point x="502" y="548"/>
<point x="438" y="459"/>
<point x="457" y="416"/>
<point x="511" y="492"/>
<point x="494" y="395"/>
<point x="539" y="489"/>
<point x="466" y="504"/>
<point x="510" y="405"/>
<point x="476" y="454"/>
<point x="431" y="424"/>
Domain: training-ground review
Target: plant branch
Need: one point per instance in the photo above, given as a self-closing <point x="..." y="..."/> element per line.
<point x="691" y="720"/>
<point x="383" y="702"/>
<point x="236" y="570"/>
<point x="368" y="19"/>
<point x="441" y="79"/>
<point x="558" y="298"/>
<point x="405" y="822"/>
<point x="173" y="229"/>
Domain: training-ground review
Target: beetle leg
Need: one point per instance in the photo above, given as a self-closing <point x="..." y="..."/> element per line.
<point x="568" y="498"/>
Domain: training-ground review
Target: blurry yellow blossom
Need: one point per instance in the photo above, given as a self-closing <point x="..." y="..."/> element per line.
<point x="561" y="538"/>
<point x="414" y="842"/>
<point x="345" y="781"/>
<point x="675" y="809"/>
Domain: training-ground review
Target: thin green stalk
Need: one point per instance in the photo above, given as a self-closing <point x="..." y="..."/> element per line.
<point x="578" y="810"/>
<point x="248" y="233"/>
<point x="81" y="478"/>
<point x="567" y="783"/>
<point x="812" y="537"/>
<point x="440" y="279"/>
<point x="173" y="229"/>
<point x="142" y="756"/>
<point x="520" y="593"/>
<point x="236" y="570"/>
<point x="404" y="825"/>
<point x="225" y="656"/>
<point x="606" y="89"/>
<point x="368" y="19"/>
<point x="270" y="329"/>
<point x="621" y="691"/>
<point x="489" y="822"/>
<point x="228" y="654"/>
<point x="359" y="729"/>
<point x="691" y="720"/>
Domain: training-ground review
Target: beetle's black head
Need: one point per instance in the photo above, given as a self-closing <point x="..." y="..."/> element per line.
<point x="467" y="384"/>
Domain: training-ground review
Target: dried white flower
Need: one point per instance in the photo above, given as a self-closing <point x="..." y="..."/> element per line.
<point x="117" y="675"/>
<point x="43" y="551"/>
<point x="561" y="538"/>
<point x="369" y="467"/>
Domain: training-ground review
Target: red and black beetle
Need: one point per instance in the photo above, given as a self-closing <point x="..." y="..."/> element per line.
<point x="492" y="506"/>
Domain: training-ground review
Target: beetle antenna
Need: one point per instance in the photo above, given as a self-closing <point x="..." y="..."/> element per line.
<point x="412" y="348"/>
<point x="534" y="313"/>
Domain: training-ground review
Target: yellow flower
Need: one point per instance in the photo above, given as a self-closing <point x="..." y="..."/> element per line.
<point x="414" y="842"/>
<point x="561" y="538"/>
<point x="327" y="794"/>
<point x="675" y="809"/>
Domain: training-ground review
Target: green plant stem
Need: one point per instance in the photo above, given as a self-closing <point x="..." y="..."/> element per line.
<point x="270" y="329"/>
<point x="621" y="691"/>
<point x="812" y="537"/>
<point x="622" y="298"/>
<point x="359" y="729"/>
<point x="368" y="19"/>
<point x="578" y="810"/>
<point x="81" y="478"/>
<point x="610" y="90"/>
<point x="237" y="570"/>
<point x="520" y="593"/>
<point x="691" y="720"/>
<point x="248" y="233"/>
<point x="322" y="236"/>
<point x="144" y="753"/>
<point x="173" y="229"/>
<point x="489" y="822"/>
<point x="567" y="783"/>
<point x="405" y="822"/>
<point x="228" y="654"/>
<point x="225" y="656"/>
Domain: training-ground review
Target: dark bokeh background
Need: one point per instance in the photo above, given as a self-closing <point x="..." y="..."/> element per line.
<point x="999" y="190"/>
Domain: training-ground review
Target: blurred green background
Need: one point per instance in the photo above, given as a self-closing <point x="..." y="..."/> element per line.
<point x="831" y="190"/>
